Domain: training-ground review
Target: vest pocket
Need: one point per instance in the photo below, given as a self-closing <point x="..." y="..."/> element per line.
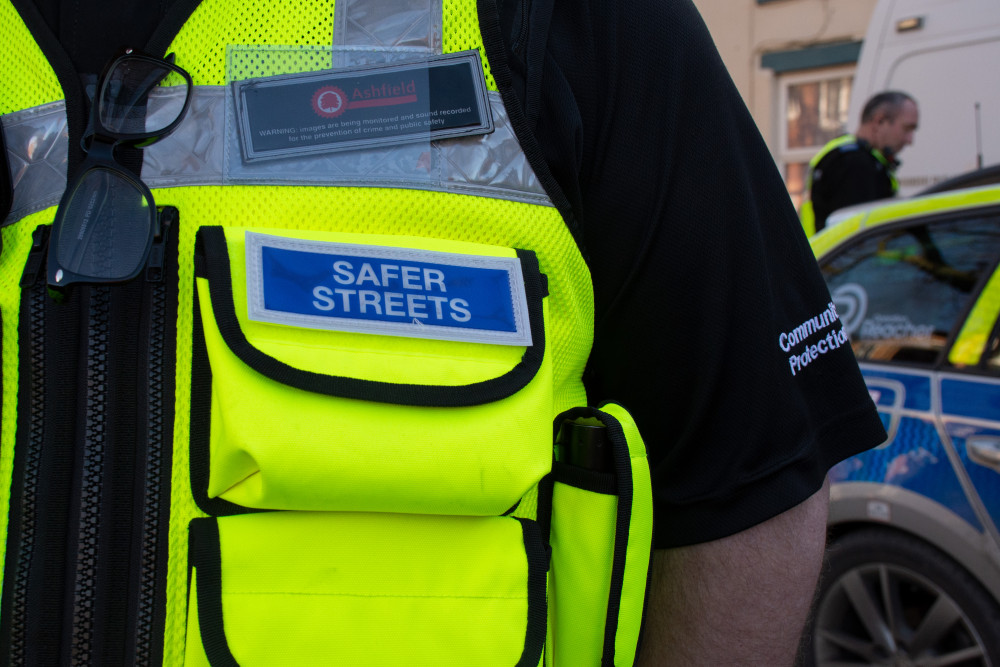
<point x="302" y="417"/>
<point x="601" y="540"/>
<point x="316" y="588"/>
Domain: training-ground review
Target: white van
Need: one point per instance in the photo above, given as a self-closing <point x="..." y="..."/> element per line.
<point x="946" y="54"/>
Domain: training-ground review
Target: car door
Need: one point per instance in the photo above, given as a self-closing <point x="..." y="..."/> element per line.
<point x="919" y="299"/>
<point x="970" y="402"/>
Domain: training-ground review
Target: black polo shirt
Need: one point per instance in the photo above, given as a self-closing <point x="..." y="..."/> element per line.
<point x="698" y="260"/>
<point x="848" y="175"/>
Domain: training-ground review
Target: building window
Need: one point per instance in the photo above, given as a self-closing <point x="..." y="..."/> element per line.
<point x="813" y="108"/>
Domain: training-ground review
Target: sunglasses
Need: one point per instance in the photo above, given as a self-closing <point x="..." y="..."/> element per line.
<point x="106" y="221"/>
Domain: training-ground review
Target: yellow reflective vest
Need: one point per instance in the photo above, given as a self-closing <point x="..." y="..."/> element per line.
<point x="193" y="479"/>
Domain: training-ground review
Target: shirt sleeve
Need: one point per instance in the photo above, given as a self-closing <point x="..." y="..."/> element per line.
<point x="703" y="278"/>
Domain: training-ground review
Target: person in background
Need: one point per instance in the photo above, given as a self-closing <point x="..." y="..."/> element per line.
<point x="860" y="167"/>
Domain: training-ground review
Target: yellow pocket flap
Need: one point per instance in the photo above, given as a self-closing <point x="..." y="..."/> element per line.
<point x="275" y="426"/>
<point x="307" y="329"/>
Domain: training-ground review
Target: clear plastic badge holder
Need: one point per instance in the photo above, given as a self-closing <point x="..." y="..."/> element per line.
<point x="403" y="27"/>
<point x="297" y="119"/>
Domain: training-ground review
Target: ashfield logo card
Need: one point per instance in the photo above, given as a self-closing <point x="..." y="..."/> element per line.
<point x="317" y="112"/>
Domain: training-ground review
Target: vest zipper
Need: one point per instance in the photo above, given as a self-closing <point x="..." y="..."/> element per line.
<point x="16" y="612"/>
<point x="85" y="570"/>
<point x="158" y="413"/>
<point x="92" y="469"/>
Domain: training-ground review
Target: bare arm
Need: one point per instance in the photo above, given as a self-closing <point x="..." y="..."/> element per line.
<point x="741" y="600"/>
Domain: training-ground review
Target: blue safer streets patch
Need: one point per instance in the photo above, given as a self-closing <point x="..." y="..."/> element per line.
<point x="386" y="290"/>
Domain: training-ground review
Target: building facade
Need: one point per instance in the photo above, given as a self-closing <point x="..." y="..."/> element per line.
<point x="793" y="61"/>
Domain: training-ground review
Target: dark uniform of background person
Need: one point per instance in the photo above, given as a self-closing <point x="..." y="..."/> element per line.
<point x="699" y="267"/>
<point x="863" y="169"/>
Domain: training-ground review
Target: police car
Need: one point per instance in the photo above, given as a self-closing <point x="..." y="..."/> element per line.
<point x="913" y="571"/>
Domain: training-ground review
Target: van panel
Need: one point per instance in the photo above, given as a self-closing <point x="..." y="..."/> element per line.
<point x="948" y="64"/>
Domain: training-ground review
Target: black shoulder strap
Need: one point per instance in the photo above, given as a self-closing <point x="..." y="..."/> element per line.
<point x="514" y="38"/>
<point x="173" y="20"/>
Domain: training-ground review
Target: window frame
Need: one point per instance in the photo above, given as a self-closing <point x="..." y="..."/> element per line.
<point x="789" y="155"/>
<point x="783" y="155"/>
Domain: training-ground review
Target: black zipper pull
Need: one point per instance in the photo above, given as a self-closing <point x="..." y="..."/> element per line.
<point x="36" y="256"/>
<point x="166" y="220"/>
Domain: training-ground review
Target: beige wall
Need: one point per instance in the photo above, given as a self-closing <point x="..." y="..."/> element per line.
<point x="744" y="30"/>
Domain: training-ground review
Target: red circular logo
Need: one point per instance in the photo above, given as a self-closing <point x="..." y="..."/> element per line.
<point x="329" y="101"/>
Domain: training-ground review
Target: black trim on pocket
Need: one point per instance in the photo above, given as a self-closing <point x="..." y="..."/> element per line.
<point x="581" y="478"/>
<point x="538" y="612"/>
<point x="201" y="423"/>
<point x="204" y="554"/>
<point x="212" y="242"/>
<point x="623" y="471"/>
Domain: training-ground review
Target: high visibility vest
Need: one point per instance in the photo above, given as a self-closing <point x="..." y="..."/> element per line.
<point x="194" y="475"/>
<point x="846" y="142"/>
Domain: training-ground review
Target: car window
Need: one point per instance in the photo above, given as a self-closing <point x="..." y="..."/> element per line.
<point x="902" y="291"/>
<point x="993" y="356"/>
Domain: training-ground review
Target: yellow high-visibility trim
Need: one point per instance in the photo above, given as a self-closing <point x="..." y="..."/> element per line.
<point x="640" y="540"/>
<point x="202" y="43"/>
<point x="971" y="342"/>
<point x="28" y="80"/>
<point x="900" y="210"/>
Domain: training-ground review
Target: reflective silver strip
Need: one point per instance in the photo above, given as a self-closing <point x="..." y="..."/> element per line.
<point x="490" y="165"/>
<point x="36" y="141"/>
<point x="205" y="150"/>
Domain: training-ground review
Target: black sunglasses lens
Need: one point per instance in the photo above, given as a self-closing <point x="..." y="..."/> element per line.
<point x="106" y="228"/>
<point x="105" y="223"/>
<point x="137" y="97"/>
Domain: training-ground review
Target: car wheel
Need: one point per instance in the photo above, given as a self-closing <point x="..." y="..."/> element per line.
<point x="887" y="598"/>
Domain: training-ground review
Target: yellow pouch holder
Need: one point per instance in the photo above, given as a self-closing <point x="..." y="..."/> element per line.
<point x="601" y="539"/>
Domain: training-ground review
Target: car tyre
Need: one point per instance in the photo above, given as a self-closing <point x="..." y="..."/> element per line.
<point x="887" y="598"/>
